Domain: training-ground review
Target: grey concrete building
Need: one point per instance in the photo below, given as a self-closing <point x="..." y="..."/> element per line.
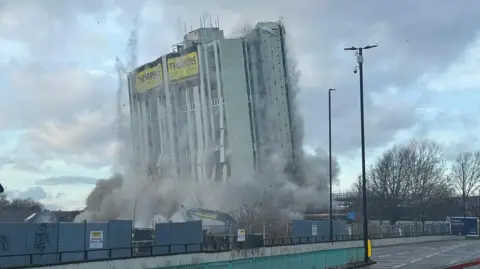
<point x="215" y="108"/>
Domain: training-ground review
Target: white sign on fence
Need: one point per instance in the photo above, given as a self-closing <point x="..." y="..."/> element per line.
<point x="241" y="235"/>
<point x="96" y="239"/>
<point x="314" y="229"/>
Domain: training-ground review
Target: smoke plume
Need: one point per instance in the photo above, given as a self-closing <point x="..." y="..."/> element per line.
<point x="283" y="190"/>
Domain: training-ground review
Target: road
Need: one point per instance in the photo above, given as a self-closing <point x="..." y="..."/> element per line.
<point x="425" y="255"/>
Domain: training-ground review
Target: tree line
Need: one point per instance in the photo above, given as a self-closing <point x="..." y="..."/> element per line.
<point x="414" y="181"/>
<point x="17" y="209"/>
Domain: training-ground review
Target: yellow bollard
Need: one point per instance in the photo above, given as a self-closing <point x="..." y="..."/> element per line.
<point x="369" y="246"/>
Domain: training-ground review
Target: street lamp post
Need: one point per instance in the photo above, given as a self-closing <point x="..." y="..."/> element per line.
<point x="330" y="214"/>
<point x="359" y="51"/>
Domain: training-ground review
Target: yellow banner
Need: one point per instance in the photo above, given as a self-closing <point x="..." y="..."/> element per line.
<point x="183" y="67"/>
<point x="149" y="78"/>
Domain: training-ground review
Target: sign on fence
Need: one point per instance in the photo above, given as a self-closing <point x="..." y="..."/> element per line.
<point x="314" y="230"/>
<point x="241" y="235"/>
<point x="96" y="239"/>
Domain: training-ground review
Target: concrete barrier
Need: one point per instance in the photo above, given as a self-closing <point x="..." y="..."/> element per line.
<point x="320" y="255"/>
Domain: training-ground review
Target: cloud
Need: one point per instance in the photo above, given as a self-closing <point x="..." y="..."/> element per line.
<point x="66" y="180"/>
<point x="87" y="140"/>
<point x="44" y="91"/>
<point x="461" y="144"/>
<point x="318" y="33"/>
<point x="383" y="120"/>
<point x="60" y="85"/>
<point x="36" y="193"/>
<point x="321" y="55"/>
<point x="55" y="19"/>
<point x="5" y="160"/>
<point x="69" y="114"/>
<point x="36" y="166"/>
<point x="462" y="75"/>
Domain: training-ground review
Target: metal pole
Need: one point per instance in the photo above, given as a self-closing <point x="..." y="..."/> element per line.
<point x="464" y="214"/>
<point x="364" y="178"/>
<point x="362" y="131"/>
<point x="330" y="214"/>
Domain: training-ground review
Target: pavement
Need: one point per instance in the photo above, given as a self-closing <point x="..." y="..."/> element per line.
<point x="428" y="255"/>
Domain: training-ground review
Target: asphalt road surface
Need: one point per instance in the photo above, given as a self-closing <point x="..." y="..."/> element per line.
<point x="425" y="255"/>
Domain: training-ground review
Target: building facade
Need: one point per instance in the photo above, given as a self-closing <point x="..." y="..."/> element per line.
<point x="215" y="108"/>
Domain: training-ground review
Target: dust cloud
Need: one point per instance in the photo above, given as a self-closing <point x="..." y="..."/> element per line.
<point x="286" y="188"/>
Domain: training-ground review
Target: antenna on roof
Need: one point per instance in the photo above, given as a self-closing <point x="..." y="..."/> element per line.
<point x="212" y="26"/>
<point x="199" y="31"/>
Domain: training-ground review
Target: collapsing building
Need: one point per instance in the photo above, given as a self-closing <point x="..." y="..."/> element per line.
<point x="215" y="108"/>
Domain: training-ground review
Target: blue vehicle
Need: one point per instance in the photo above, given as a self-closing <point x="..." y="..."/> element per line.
<point x="467" y="226"/>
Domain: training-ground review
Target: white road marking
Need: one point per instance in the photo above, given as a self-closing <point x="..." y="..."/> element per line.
<point x="452" y="262"/>
<point x="382" y="256"/>
<point x="389" y="259"/>
<point x="473" y="253"/>
<point x="434" y="254"/>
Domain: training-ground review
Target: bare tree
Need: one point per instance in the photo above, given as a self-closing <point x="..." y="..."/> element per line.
<point x="247" y="216"/>
<point x="427" y="179"/>
<point x="26" y="204"/>
<point x="387" y="181"/>
<point x="3" y="201"/>
<point x="411" y="176"/>
<point x="262" y="217"/>
<point x="465" y="175"/>
<point x="17" y="209"/>
<point x="355" y="195"/>
<point x="473" y="205"/>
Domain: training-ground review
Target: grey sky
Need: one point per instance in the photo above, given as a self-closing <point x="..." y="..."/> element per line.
<point x="65" y="106"/>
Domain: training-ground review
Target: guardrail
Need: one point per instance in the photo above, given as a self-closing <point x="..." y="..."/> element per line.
<point x="469" y="264"/>
<point x="90" y="255"/>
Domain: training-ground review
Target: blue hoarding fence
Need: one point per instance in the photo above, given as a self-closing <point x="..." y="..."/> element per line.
<point x="22" y="260"/>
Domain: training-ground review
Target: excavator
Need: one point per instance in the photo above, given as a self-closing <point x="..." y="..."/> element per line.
<point x="192" y="212"/>
<point x="214" y="240"/>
